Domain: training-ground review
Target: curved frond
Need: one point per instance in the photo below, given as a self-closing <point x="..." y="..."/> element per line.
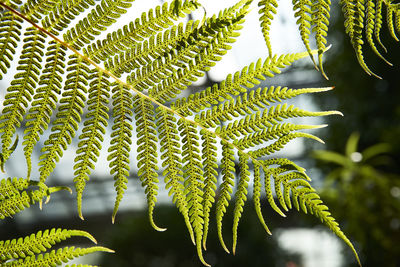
<point x="37" y="243"/>
<point x="170" y="149"/>
<point x="10" y="31"/>
<point x="193" y="181"/>
<point x="19" y="94"/>
<point x="121" y="140"/>
<point x="68" y="116"/>
<point x="267" y="9"/>
<point x="21" y="195"/>
<point x="91" y="138"/>
<point x="209" y="155"/>
<point x="45" y="99"/>
<point x="240" y="195"/>
<point x="56" y="257"/>
<point x="228" y="176"/>
<point x="147" y="152"/>
<point x="320" y="10"/>
<point x="303" y="12"/>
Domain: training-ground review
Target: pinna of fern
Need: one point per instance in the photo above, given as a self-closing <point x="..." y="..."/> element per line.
<point x="363" y="24"/>
<point x="16" y="194"/>
<point x="238" y="114"/>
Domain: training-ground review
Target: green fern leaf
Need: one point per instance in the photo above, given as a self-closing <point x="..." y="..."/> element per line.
<point x="193" y="181"/>
<point x="63" y="13"/>
<point x="126" y="39"/>
<point x="96" y="21"/>
<point x="45" y="99"/>
<point x="10" y="30"/>
<point x="24" y="198"/>
<point x="205" y="58"/>
<point x="11" y="186"/>
<point x="378" y="23"/>
<point x="19" y="94"/>
<point x="147" y="152"/>
<point x="235" y="84"/>
<point x="171" y="161"/>
<point x="121" y="140"/>
<point x="228" y="176"/>
<point x="155" y="48"/>
<point x="390" y="11"/>
<point x="320" y="21"/>
<point x="256" y="196"/>
<point x="267" y="9"/>
<point x="354" y="24"/>
<point x="35" y="9"/>
<point x="37" y="243"/>
<point x="241" y="193"/>
<point x="369" y="28"/>
<point x="303" y="12"/>
<point x="56" y="257"/>
<point x="68" y="116"/>
<point x="91" y="138"/>
<point x="209" y="155"/>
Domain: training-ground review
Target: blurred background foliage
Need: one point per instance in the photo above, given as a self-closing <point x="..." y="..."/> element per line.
<point x="361" y="173"/>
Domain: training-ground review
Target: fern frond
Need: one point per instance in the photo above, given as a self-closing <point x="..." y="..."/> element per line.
<point x="193" y="180"/>
<point x="248" y="103"/>
<point x="320" y="21"/>
<point x="11" y="186"/>
<point x="121" y="140"/>
<point x="271" y="133"/>
<point x="304" y="196"/>
<point x="17" y="201"/>
<point x="353" y="12"/>
<point x="35" y="9"/>
<point x="155" y="48"/>
<point x="37" y="243"/>
<point x="235" y="84"/>
<point x="131" y="35"/>
<point x="209" y="155"/>
<point x="228" y="176"/>
<point x="147" y="152"/>
<point x="369" y="28"/>
<point x="91" y="138"/>
<point x="170" y="150"/>
<point x="10" y="30"/>
<point x="256" y="195"/>
<point x="56" y="257"/>
<point x="45" y="99"/>
<point x="240" y="195"/>
<point x="68" y="116"/>
<point x="104" y="15"/>
<point x="378" y="23"/>
<point x="389" y="20"/>
<point x="267" y="9"/>
<point x="19" y="94"/>
<point x="303" y="12"/>
<point x="63" y="13"/>
<point x="271" y="116"/>
<point x="204" y="58"/>
<point x="280" y="143"/>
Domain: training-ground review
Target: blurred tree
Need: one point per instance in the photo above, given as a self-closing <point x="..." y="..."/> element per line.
<point x="365" y="199"/>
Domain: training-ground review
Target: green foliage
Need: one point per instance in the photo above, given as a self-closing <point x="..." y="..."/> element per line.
<point x="160" y="58"/>
<point x="356" y="174"/>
